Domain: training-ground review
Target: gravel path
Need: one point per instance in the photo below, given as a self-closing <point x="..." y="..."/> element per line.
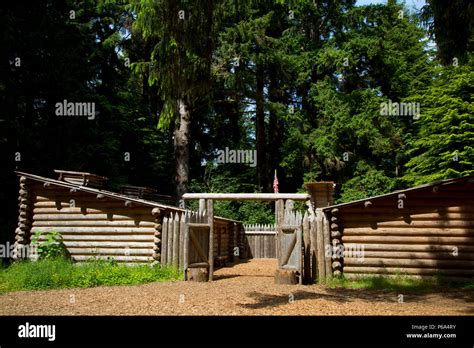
<point x="243" y="289"/>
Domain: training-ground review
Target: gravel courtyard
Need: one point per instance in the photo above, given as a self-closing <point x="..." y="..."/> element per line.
<point x="244" y="289"/>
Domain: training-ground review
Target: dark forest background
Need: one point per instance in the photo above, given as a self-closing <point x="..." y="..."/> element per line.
<point x="301" y="82"/>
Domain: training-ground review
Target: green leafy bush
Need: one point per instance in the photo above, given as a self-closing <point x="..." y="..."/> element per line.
<point x="52" y="247"/>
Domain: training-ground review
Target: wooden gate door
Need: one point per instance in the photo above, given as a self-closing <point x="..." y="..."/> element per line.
<point x="289" y="243"/>
<point x="198" y="245"/>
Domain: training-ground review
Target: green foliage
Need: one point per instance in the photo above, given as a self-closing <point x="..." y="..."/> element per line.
<point x="220" y="179"/>
<point x="52" y="247"/>
<point x="367" y="182"/>
<point x="333" y="63"/>
<point x="60" y="273"/>
<point x="442" y="146"/>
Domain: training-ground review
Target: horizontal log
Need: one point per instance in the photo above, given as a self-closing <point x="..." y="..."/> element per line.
<point x="442" y="194"/>
<point x="409" y="247"/>
<point x="248" y="196"/>
<point x="108" y="244"/>
<point x="94" y="223"/>
<point x="419" y="263"/>
<point x="88" y="229"/>
<point x="110" y="251"/>
<point x="116" y="258"/>
<point x="415" y="224"/>
<point x="352" y="216"/>
<point x="360" y="209"/>
<point x="91" y="216"/>
<point x="395" y="270"/>
<point x="99" y="237"/>
<point x="92" y="210"/>
<point x="459" y="278"/>
<point x="408" y="240"/>
<point x="438" y="255"/>
<point x="393" y="231"/>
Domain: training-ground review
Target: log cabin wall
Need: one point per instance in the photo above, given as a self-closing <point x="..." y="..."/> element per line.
<point x="422" y="232"/>
<point x="92" y="226"/>
<point x="96" y="225"/>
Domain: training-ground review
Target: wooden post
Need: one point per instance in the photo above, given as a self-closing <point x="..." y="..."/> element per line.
<point x="280" y="206"/>
<point x="176" y="231"/>
<point x="327" y="241"/>
<point x="202" y="205"/>
<point x="307" y="249"/>
<point x="170" y="239"/>
<point x="182" y="224"/>
<point x="186" y="248"/>
<point x="164" y="240"/>
<point x="210" y="217"/>
<point x="320" y="245"/>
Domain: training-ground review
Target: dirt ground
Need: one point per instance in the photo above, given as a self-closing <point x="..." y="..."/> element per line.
<point x="244" y="289"/>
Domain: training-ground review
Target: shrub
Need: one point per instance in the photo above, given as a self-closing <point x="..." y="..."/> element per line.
<point x="52" y="247"/>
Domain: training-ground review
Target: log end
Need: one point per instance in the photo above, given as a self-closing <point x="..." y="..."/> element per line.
<point x="285" y="277"/>
<point x="198" y="274"/>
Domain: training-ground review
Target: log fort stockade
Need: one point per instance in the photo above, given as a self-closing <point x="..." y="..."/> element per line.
<point x="425" y="230"/>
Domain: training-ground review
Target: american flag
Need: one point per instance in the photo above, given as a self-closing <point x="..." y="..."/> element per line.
<point x="275" y="183"/>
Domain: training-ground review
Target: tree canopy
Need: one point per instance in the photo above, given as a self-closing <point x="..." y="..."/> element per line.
<point x="301" y="83"/>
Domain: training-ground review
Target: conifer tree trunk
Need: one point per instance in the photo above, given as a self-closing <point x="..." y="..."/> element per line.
<point x="260" y="128"/>
<point x="181" y="147"/>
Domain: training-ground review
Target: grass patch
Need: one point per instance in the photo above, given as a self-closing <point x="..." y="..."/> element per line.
<point x="61" y="273"/>
<point x="398" y="282"/>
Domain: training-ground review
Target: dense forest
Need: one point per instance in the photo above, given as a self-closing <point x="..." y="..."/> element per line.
<point x="374" y="98"/>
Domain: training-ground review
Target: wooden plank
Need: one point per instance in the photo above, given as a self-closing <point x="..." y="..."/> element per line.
<point x="197" y="245"/>
<point x="210" y="213"/>
<point x="290" y="248"/>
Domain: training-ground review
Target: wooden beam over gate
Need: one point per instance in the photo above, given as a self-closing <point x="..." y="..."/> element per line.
<point x="248" y="196"/>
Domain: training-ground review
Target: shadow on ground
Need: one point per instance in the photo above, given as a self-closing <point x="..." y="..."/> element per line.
<point x="339" y="295"/>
